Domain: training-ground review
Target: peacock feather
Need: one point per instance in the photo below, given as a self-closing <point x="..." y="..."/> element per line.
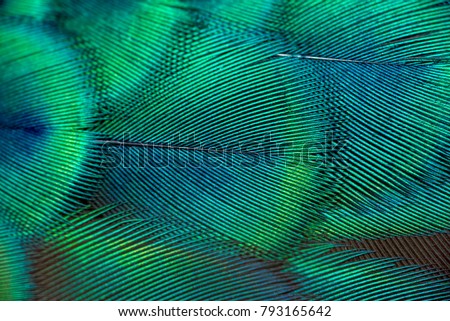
<point x="224" y="150"/>
<point x="15" y="280"/>
<point x="46" y="106"/>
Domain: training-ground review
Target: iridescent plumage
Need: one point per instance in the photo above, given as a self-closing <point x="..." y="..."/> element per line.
<point x="222" y="150"/>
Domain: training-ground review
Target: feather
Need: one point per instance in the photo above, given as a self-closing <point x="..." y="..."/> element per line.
<point x="329" y="273"/>
<point x="222" y="150"/>
<point x="394" y="154"/>
<point x="15" y="281"/>
<point x="266" y="103"/>
<point x="121" y="258"/>
<point x="45" y="146"/>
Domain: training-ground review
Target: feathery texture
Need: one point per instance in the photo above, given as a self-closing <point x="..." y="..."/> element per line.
<point x="45" y="109"/>
<point x="15" y="280"/>
<point x="342" y="275"/>
<point x="224" y="150"/>
<point x="120" y="258"/>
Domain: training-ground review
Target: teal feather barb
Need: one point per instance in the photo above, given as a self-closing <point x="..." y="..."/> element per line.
<point x="224" y="150"/>
<point x="15" y="265"/>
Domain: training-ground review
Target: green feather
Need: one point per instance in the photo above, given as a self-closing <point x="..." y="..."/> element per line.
<point x="121" y="258"/>
<point x="327" y="273"/>
<point x="15" y="280"/>
<point x="45" y="109"/>
<point x="94" y="93"/>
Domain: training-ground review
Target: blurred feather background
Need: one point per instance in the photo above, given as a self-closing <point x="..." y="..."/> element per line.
<point x="224" y="150"/>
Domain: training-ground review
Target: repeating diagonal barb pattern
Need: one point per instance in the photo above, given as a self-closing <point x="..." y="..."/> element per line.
<point x="224" y="150"/>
